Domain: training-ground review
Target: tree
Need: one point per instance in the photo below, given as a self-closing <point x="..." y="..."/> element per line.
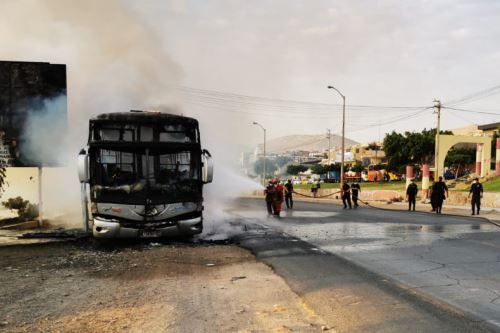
<point x="25" y="209"/>
<point x="410" y="148"/>
<point x="271" y="167"/>
<point x="459" y="158"/>
<point x="294" y="169"/>
<point x="357" y="168"/>
<point x="393" y="144"/>
<point x="282" y="160"/>
<point x="318" y="169"/>
<point x="496" y="135"/>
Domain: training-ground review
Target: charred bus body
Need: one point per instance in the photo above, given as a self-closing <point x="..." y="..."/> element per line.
<point x="145" y="173"/>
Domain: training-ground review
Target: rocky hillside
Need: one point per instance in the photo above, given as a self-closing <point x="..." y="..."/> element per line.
<point x="304" y="142"/>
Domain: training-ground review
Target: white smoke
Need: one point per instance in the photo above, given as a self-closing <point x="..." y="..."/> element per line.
<point x="114" y="63"/>
<point x="41" y="136"/>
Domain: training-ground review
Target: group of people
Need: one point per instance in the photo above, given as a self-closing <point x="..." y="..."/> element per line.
<point x="347" y="191"/>
<point x="439" y="192"/>
<point x="275" y="192"/>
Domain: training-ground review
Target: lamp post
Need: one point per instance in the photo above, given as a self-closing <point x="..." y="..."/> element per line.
<point x="264" y="173"/>
<point x="343" y="135"/>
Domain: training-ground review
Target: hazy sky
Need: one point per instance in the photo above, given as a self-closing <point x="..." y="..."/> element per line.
<point x="125" y="54"/>
<point x="376" y="52"/>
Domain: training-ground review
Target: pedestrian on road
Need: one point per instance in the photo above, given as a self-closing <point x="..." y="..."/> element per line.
<point x="270" y="194"/>
<point x="433" y="196"/>
<point x="355" y="190"/>
<point x="346" y="195"/>
<point x="411" y="194"/>
<point x="440" y="192"/>
<point x="314" y="189"/>
<point x="278" y="198"/>
<point x="476" y="189"/>
<point x="288" y="194"/>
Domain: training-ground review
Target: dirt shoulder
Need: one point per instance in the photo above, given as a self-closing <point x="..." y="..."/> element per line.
<point x="73" y="287"/>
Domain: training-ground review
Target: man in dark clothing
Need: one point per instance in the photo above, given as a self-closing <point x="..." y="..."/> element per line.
<point x="346" y="195"/>
<point x="355" y="190"/>
<point x="411" y="194"/>
<point x="476" y="189"/>
<point x="288" y="194"/>
<point x="440" y="192"/>
<point x="270" y="193"/>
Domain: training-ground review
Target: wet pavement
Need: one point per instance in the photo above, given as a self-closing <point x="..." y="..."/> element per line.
<point x="451" y="259"/>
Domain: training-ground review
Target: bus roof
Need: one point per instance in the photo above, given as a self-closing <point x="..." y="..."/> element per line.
<point x="143" y="117"/>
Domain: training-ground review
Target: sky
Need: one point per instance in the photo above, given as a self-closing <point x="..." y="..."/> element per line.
<point x="382" y="53"/>
<point x="232" y="62"/>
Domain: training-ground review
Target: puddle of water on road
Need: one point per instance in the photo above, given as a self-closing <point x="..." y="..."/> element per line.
<point x="285" y="214"/>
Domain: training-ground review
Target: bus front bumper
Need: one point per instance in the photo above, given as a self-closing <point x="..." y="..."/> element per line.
<point x="112" y="229"/>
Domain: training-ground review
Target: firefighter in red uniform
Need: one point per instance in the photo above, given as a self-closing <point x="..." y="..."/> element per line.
<point x="278" y="199"/>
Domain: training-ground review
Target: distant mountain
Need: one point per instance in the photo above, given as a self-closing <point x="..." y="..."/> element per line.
<point x="305" y="142"/>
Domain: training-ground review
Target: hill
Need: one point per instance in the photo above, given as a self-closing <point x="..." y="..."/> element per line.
<point x="317" y="142"/>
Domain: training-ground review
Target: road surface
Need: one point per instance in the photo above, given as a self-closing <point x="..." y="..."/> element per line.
<point x="363" y="270"/>
<point x="448" y="262"/>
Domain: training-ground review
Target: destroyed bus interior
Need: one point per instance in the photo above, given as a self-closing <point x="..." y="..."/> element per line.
<point x="133" y="175"/>
<point x="138" y="156"/>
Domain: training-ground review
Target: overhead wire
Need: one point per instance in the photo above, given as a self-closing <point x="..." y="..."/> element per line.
<point x="217" y="96"/>
<point x="471" y="111"/>
<point x="474" y="96"/>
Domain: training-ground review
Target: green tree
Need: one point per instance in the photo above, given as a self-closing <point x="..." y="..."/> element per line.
<point x="496" y="135"/>
<point x="25" y="209"/>
<point x="459" y="158"/>
<point x="282" y="161"/>
<point x="357" y="168"/>
<point x="394" y="144"/>
<point x="410" y="148"/>
<point x="318" y="169"/>
<point x="271" y="167"/>
<point x="294" y="169"/>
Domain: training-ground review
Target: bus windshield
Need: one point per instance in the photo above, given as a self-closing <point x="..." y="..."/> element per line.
<point x="141" y="174"/>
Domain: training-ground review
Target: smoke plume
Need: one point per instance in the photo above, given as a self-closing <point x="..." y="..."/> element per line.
<point x="114" y="63"/>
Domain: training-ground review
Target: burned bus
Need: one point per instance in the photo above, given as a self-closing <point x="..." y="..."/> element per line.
<point x="143" y="173"/>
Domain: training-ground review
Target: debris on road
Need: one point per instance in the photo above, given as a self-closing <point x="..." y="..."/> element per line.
<point x="234" y="278"/>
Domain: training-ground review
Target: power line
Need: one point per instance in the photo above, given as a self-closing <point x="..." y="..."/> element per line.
<point x="277" y="103"/>
<point x="475" y="96"/>
<point x="472" y="111"/>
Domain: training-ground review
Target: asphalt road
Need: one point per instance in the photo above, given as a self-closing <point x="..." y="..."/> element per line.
<point x="371" y="270"/>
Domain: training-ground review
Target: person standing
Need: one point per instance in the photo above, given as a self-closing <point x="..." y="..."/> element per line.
<point x="314" y="189"/>
<point x="411" y="194"/>
<point x="278" y="198"/>
<point x="476" y="189"/>
<point x="270" y="193"/>
<point x="288" y="194"/>
<point x="441" y="193"/>
<point x="355" y="190"/>
<point x="346" y="195"/>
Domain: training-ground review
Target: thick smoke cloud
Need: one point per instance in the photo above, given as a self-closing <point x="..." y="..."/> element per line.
<point x="114" y="63"/>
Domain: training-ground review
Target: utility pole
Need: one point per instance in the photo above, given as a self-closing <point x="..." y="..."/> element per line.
<point x="343" y="135"/>
<point x="437" y="106"/>
<point x="329" y="135"/>
<point x="264" y="173"/>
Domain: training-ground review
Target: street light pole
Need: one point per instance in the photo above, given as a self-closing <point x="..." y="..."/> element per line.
<point x="437" y="106"/>
<point x="264" y="173"/>
<point x="343" y="135"/>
